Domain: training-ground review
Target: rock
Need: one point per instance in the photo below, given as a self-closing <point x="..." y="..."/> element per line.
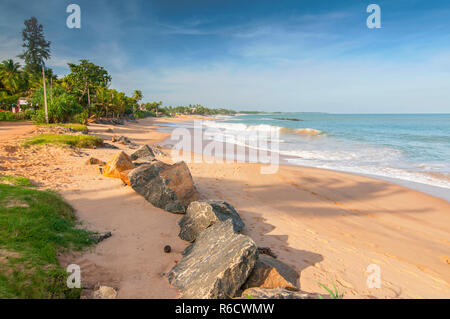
<point x="169" y="187"/>
<point x="124" y="176"/>
<point x="110" y="130"/>
<point x="144" y="152"/>
<point x="202" y="214"/>
<point x="167" y="249"/>
<point x="120" y="162"/>
<point x="105" y="292"/>
<point x="94" y="161"/>
<point x="100" y="237"/>
<point x="121" y="139"/>
<point x="279" y="293"/>
<point x="267" y="251"/>
<point x="142" y="161"/>
<point x="216" y="265"/>
<point x="271" y="273"/>
<point x="107" y="145"/>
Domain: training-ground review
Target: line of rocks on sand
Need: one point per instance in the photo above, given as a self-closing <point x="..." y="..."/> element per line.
<point x="220" y="262"/>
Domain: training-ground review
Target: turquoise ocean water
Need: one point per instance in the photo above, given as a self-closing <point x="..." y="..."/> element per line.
<point x="409" y="147"/>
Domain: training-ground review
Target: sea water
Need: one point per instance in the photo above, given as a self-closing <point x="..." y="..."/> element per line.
<point x="404" y="147"/>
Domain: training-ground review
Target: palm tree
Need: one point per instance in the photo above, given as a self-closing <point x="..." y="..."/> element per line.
<point x="137" y="95"/>
<point x="11" y="76"/>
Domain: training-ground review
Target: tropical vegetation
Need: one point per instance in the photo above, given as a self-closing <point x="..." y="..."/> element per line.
<point x="82" y="94"/>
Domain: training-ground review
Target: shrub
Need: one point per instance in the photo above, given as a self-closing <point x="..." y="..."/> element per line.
<point x="7" y="116"/>
<point x="61" y="108"/>
<point x="144" y="114"/>
<point x="29" y="113"/>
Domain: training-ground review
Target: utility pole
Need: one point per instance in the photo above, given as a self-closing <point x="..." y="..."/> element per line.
<point x="45" y="95"/>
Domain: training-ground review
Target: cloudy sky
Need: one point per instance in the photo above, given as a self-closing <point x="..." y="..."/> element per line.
<point x="311" y="55"/>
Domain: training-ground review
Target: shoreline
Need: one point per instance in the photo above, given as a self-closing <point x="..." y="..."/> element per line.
<point x="328" y="225"/>
<point x="432" y="190"/>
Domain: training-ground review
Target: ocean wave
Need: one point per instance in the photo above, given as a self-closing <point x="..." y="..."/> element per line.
<point x="261" y="128"/>
<point x="303" y="131"/>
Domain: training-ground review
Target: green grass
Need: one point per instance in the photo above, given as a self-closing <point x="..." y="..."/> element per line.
<point x="73" y="126"/>
<point x="35" y="226"/>
<point x="16" y="181"/>
<point x="334" y="294"/>
<point x="82" y="141"/>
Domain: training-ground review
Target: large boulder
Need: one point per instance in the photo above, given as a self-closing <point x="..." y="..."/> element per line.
<point x="278" y="293"/>
<point x="169" y="187"/>
<point x="144" y="152"/>
<point x="271" y="273"/>
<point x="124" y="177"/>
<point x="216" y="265"/>
<point x="202" y="214"/>
<point x="119" y="163"/>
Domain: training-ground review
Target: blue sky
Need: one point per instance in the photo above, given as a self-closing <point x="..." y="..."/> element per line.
<point x="312" y="55"/>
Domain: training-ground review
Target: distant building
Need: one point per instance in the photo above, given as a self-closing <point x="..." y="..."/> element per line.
<point x="22" y="101"/>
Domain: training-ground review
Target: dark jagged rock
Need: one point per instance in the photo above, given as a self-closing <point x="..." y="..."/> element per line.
<point x="267" y="251"/>
<point x="216" y="265"/>
<point x="107" y="145"/>
<point x="169" y="187"/>
<point x="202" y="214"/>
<point x="100" y="237"/>
<point x="144" y="152"/>
<point x="121" y="139"/>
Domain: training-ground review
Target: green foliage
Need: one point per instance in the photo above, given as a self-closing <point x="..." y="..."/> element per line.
<point x="29" y="113"/>
<point x="85" y="78"/>
<point x="144" y="114"/>
<point x="15" y="180"/>
<point x="333" y="294"/>
<point x="81" y="94"/>
<point x="35" y="226"/>
<point x="62" y="107"/>
<point x="36" y="48"/>
<point x="82" y="141"/>
<point x="7" y="116"/>
<point x="73" y="126"/>
<point x="13" y="80"/>
<point x="196" y="109"/>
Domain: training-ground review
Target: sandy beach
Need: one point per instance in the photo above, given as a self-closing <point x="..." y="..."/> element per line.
<point x="329" y="226"/>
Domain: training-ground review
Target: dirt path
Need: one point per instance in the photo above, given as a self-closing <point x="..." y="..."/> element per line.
<point x="12" y="130"/>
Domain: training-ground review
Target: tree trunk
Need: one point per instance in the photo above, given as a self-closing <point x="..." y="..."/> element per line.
<point x="45" y="95"/>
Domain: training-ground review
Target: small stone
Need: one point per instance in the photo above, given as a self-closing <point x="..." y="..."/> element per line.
<point x="167" y="249"/>
<point x="105" y="292"/>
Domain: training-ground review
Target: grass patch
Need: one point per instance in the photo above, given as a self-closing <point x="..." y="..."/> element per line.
<point x="82" y="141"/>
<point x="334" y="294"/>
<point x="16" y="181"/>
<point x="73" y="126"/>
<point x="31" y="237"/>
